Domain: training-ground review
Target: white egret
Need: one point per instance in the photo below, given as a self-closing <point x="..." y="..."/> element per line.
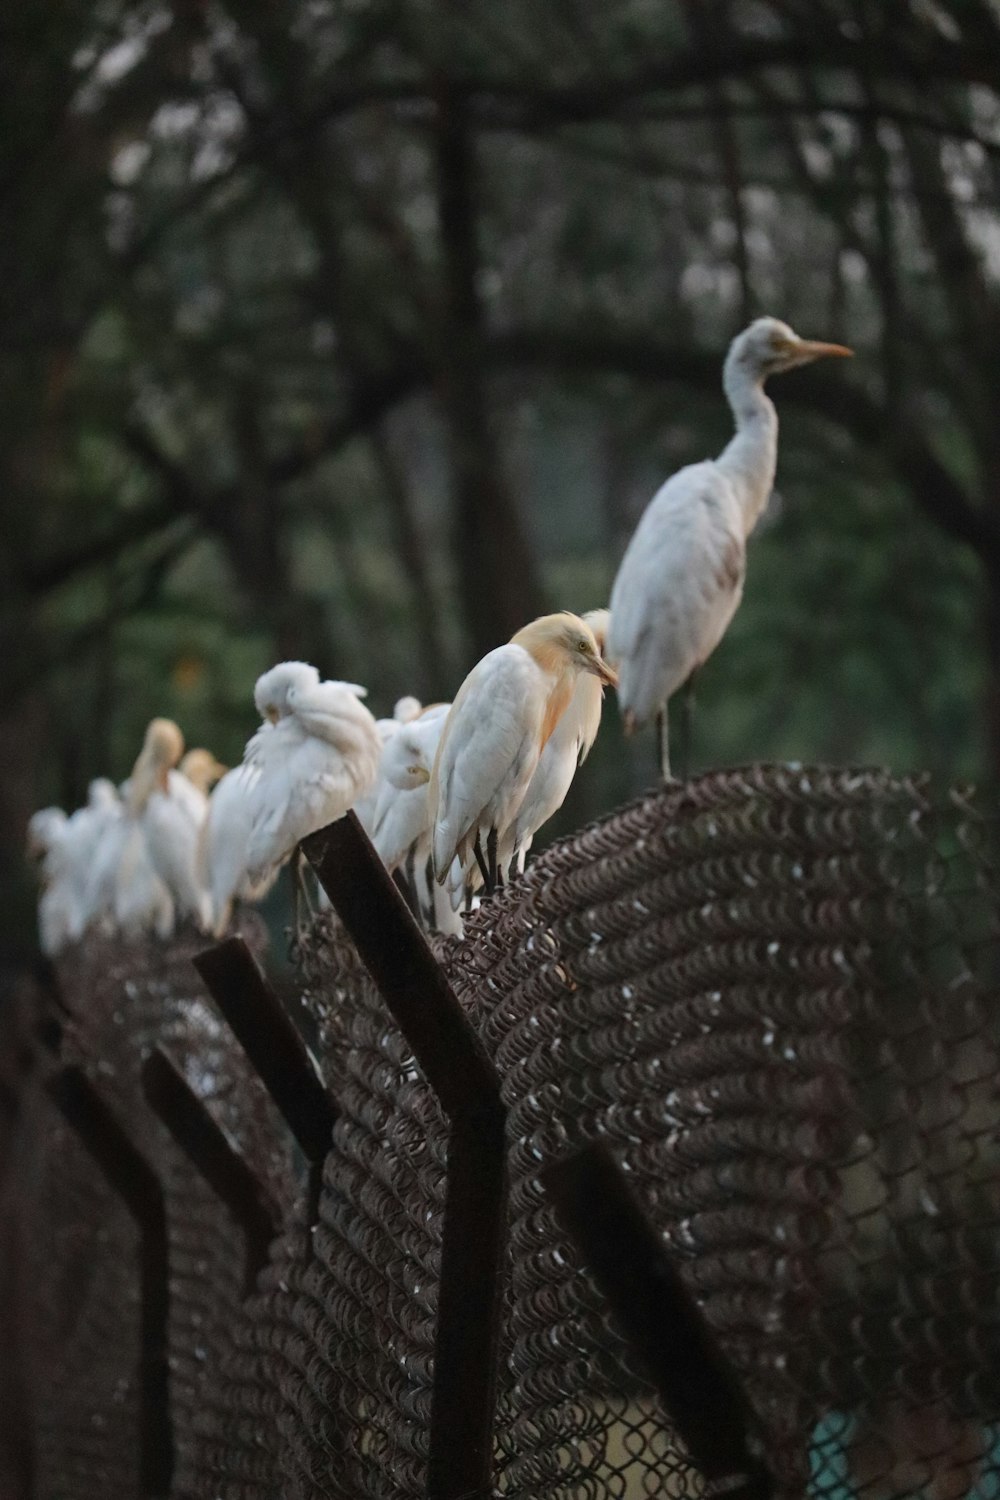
<point x="92" y="830"/>
<point x="499" y="724"/>
<point x="101" y="876"/>
<point x="155" y="870"/>
<point x="222" y="850"/>
<point x="568" y="746"/>
<point x="169" y="811"/>
<point x="313" y="766"/>
<point x="60" y="921"/>
<point x="270" y="691"/>
<point x="405" y="710"/>
<point x="225" y="833"/>
<point x="201" y="769"/>
<point x="402" y="821"/>
<point x="681" y="579"/>
<point x="68" y="848"/>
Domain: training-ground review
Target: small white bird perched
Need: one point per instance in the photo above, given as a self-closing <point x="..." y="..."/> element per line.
<point x="154" y="874"/>
<point x="402" y="820"/>
<point x="402" y="814"/>
<point x="270" y="691"/>
<point x="499" y="724"/>
<point x="60" y="920"/>
<point x="225" y="832"/>
<point x="681" y="579"/>
<point x="568" y="746"/>
<point x="69" y="848"/>
<point x="201" y="769"/>
<point x="405" y="710"/>
<point x="313" y="766"/>
<point x="222" y="846"/>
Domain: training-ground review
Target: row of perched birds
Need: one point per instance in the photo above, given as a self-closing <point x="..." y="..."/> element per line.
<point x="451" y="795"/>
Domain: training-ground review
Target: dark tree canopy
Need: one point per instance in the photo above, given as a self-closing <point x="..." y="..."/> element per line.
<point x="364" y="332"/>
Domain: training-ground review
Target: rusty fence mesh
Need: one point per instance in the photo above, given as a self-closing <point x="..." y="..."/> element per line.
<point x="771" y="993"/>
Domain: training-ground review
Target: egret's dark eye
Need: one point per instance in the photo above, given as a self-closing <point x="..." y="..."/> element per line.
<point x="584" y="645"/>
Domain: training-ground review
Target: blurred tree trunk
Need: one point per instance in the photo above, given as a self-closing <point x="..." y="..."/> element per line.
<point x="434" y="676"/>
<point x="498" y="581"/>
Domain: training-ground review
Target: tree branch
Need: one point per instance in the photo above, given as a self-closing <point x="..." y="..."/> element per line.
<point x="136" y="526"/>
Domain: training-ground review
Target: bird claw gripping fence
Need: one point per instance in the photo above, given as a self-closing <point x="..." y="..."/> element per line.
<point x="767" y="1001"/>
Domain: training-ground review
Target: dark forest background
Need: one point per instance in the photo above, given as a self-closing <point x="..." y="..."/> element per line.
<point x="362" y="331"/>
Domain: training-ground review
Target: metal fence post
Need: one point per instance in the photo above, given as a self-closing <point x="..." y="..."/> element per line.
<point x="214" y="1157"/>
<point x="136" y="1182"/>
<point x="279" y="1056"/>
<point x="660" y="1318"/>
<point x="459" y="1070"/>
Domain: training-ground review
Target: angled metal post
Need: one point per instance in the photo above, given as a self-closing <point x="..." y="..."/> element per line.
<point x="460" y="1071"/>
<point x="279" y="1056"/>
<point x="660" y="1318"/>
<point x="133" y="1178"/>
<point x="214" y="1157"/>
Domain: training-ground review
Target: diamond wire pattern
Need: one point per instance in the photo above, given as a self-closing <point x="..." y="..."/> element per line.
<point x="771" y="992"/>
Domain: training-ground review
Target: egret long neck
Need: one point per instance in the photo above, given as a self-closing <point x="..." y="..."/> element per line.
<point x="750" y="458"/>
<point x="559" y="700"/>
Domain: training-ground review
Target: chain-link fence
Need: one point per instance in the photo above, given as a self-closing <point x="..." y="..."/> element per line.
<point x="771" y="994"/>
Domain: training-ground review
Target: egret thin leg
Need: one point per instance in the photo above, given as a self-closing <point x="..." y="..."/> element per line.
<point x="663" y="737"/>
<point x="491" y="860"/>
<point x="411" y="880"/>
<point x="298" y="892"/>
<point x="687" y="725"/>
<point x="299" y="861"/>
<point x="477" y="850"/>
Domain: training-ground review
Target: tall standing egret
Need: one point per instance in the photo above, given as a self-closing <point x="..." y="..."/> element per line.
<point x="499" y="724"/>
<point x="568" y="746"/>
<point x="681" y="578"/>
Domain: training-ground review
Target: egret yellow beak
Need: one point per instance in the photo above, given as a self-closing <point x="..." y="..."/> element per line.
<point x="813" y="349"/>
<point x="600" y="669"/>
<point x="271" y="714"/>
<point x="420" y="774"/>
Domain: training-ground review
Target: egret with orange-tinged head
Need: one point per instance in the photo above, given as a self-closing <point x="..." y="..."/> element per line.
<point x="201" y="769"/>
<point x="681" y="579"/>
<point x="568" y="747"/>
<point x="143" y="900"/>
<point x="172" y="815"/>
<point x="499" y="724"/>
